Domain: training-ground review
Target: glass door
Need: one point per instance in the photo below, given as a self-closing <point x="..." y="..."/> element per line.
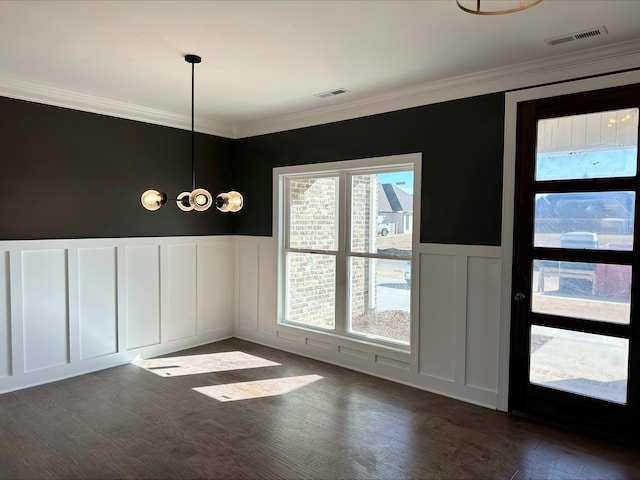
<point x="574" y="345"/>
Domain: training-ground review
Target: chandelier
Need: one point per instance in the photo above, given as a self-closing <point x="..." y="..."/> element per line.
<point x="197" y="199"/>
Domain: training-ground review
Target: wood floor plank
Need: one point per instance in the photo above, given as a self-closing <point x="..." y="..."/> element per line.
<point x="131" y="423"/>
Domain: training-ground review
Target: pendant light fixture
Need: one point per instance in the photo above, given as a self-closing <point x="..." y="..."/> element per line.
<point x="495" y="7"/>
<point x="197" y="199"/>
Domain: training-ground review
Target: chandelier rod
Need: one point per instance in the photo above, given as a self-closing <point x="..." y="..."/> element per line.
<point x="193" y="135"/>
<point x="193" y="59"/>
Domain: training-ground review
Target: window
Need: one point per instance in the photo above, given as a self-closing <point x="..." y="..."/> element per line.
<point x="345" y="247"/>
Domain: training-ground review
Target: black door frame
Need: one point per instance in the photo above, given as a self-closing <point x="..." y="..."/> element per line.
<point x="513" y="101"/>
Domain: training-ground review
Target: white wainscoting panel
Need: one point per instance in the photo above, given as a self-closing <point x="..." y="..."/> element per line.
<point x="216" y="267"/>
<point x="438" y="315"/>
<point x="74" y="306"/>
<point x="267" y="290"/>
<point x="247" y="284"/>
<point x="143" y="295"/>
<point x="45" y="310"/>
<point x="458" y="321"/>
<point x="181" y="321"/>
<point x="483" y="322"/>
<point x="5" y="330"/>
<point x="97" y="302"/>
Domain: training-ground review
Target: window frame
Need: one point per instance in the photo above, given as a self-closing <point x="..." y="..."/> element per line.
<point x="345" y="170"/>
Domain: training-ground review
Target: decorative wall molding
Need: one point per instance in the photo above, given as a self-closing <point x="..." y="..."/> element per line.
<point x="69" y="307"/>
<point x="459" y="321"/>
<point x="597" y="61"/>
<point x="108" y="301"/>
<point x="28" y="90"/>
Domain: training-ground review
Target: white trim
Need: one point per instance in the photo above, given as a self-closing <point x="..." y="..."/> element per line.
<point x="487" y="251"/>
<point x="597" y="61"/>
<point x="415" y="261"/>
<point x="326" y="168"/>
<point x="21" y="89"/>
<point x="508" y="197"/>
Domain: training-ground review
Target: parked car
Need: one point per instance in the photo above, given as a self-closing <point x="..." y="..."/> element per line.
<point x="383" y="229"/>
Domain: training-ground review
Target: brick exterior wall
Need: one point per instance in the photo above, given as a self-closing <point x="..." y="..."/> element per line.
<point x="313" y="225"/>
<point x="364" y="214"/>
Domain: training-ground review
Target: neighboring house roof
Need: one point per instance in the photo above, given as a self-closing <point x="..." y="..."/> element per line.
<point x="394" y="199"/>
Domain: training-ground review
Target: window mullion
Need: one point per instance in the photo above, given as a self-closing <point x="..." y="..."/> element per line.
<point x="342" y="270"/>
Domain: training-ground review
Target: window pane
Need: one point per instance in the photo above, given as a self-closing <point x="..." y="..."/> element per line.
<point x="313" y="213"/>
<point x="590" y="220"/>
<point x="592" y="291"/>
<point x="382" y="213"/>
<point x="577" y="362"/>
<point x="311" y="280"/>
<point x="595" y="145"/>
<point x="380" y="298"/>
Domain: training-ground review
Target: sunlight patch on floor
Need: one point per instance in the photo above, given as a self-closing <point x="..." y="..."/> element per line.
<point x="261" y="388"/>
<point x="206" y="363"/>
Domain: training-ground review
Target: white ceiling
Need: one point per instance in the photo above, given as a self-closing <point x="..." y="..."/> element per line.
<point x="265" y="60"/>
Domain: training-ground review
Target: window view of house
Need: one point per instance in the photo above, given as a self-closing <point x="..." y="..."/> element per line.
<point x="347" y="261"/>
<point x="379" y="291"/>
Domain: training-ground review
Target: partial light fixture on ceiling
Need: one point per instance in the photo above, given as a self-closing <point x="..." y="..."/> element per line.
<point x="197" y="199"/>
<point x="495" y="7"/>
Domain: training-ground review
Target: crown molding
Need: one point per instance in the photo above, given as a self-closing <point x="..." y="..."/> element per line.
<point x="22" y="89"/>
<point x="597" y="61"/>
<point x="560" y="68"/>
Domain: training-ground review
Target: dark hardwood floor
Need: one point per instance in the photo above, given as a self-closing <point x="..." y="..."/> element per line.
<point x="132" y="422"/>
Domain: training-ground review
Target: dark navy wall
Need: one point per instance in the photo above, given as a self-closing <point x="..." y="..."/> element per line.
<point x="462" y="152"/>
<point x="72" y="174"/>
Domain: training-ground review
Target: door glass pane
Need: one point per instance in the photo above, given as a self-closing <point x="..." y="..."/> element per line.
<point x="313" y="213"/>
<point x="583" y="363"/>
<point x="380" y="298"/>
<point x="382" y="213"/>
<point x="592" y="291"/>
<point x="310" y="294"/>
<point x="595" y="145"/>
<point x="590" y="220"/>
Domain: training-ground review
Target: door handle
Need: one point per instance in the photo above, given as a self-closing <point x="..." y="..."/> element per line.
<point x="518" y="297"/>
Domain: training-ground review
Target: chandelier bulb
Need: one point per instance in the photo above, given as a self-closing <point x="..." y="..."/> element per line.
<point x="153" y="199"/>
<point x="183" y="202"/>
<point x="230" y="202"/>
<point x="200" y="199"/>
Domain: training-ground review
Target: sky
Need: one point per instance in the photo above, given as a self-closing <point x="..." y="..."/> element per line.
<point x="396" y="178"/>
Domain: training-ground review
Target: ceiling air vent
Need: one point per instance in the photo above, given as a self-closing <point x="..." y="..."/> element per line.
<point x="593" y="32"/>
<point x="331" y="93"/>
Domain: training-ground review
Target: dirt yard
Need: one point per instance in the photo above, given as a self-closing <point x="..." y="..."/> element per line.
<point x="401" y="241"/>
